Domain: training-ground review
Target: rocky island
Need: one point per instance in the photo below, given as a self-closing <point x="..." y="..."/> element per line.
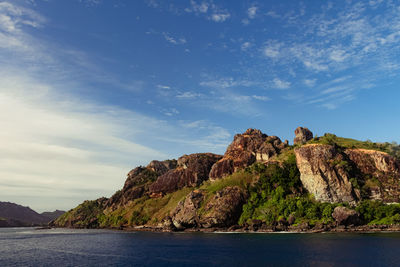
<point x="325" y="183"/>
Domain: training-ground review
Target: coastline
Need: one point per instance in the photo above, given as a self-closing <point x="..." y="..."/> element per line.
<point x="340" y="229"/>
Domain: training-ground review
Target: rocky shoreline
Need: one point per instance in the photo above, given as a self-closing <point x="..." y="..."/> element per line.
<point x="293" y="230"/>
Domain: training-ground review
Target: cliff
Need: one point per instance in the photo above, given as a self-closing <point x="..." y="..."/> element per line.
<point x="260" y="183"/>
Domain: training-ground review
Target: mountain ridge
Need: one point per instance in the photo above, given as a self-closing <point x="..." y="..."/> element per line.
<point x="259" y="183"/>
<point x="14" y="215"/>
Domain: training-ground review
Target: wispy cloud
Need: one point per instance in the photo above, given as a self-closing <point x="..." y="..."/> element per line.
<point x="220" y="17"/>
<point x="281" y="84"/>
<point x="67" y="147"/>
<point x="209" y="10"/>
<point x="252" y="12"/>
<point x="173" y="40"/>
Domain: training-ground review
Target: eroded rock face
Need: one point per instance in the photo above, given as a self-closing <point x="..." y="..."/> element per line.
<point x="302" y="135"/>
<point x="191" y="171"/>
<point x="346" y="216"/>
<point x="138" y="181"/>
<point x="323" y="173"/>
<point x="186" y="213"/>
<point x="247" y="148"/>
<point x="381" y="171"/>
<point x="223" y="210"/>
<point x="326" y="173"/>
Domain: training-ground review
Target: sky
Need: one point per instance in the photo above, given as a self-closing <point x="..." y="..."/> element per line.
<point x="90" y="89"/>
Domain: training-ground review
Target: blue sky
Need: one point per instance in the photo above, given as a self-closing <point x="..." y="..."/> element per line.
<point x="91" y="88"/>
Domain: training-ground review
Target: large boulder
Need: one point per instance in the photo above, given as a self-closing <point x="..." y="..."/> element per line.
<point x="302" y="135"/>
<point x="247" y="148"/>
<point x="225" y="208"/>
<point x="324" y="173"/>
<point x="346" y="216"/>
<point x="222" y="210"/>
<point x="186" y="214"/>
<point x="191" y="171"/>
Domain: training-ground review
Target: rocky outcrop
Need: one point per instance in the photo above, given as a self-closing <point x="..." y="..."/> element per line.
<point x="222" y="210"/>
<point x="324" y="173"/>
<point x="191" y="171"/>
<point x="225" y="208"/>
<point x="302" y="135"/>
<point x="186" y="213"/>
<point x="330" y="174"/>
<point x="380" y="172"/>
<point x="138" y="181"/>
<point x="247" y="148"/>
<point x="346" y="216"/>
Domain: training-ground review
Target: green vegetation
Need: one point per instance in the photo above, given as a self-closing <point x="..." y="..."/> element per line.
<point x="87" y="212"/>
<point x="242" y="179"/>
<point x="278" y="197"/>
<point x="378" y="213"/>
<point x="341" y="142"/>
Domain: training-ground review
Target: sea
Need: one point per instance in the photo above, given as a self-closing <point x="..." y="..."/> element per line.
<point x="70" y="247"/>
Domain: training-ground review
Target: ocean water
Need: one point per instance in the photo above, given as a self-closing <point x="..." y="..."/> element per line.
<point x="66" y="247"/>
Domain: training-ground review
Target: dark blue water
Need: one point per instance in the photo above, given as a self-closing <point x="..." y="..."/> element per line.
<point x="63" y="247"/>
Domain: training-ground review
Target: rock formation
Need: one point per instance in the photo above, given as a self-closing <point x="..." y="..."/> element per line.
<point x="380" y="173"/>
<point x="302" y="135"/>
<point x="222" y="210"/>
<point x="247" y="148"/>
<point x="324" y="173"/>
<point x="138" y="181"/>
<point x="191" y="171"/>
<point x="330" y="175"/>
<point x="346" y="216"/>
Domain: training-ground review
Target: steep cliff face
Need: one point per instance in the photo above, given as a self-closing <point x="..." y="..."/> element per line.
<point x="380" y="173"/>
<point x="247" y="148"/>
<point x="192" y="170"/>
<point x="323" y="173"/>
<point x="349" y="175"/>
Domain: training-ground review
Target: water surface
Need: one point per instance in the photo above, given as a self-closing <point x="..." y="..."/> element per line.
<point x="66" y="247"/>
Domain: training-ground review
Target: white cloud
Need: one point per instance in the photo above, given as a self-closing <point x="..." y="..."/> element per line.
<point x="58" y="148"/>
<point x="161" y="86"/>
<point x="309" y="82"/>
<point x="281" y="84"/>
<point x="245" y="46"/>
<point x="172" y="40"/>
<point x="220" y="17"/>
<point x="188" y="95"/>
<point x="272" y="50"/>
<point x="261" y="97"/>
<point x="252" y="11"/>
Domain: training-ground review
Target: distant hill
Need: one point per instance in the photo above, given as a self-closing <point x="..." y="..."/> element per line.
<point x="14" y="215"/>
<point x="52" y="215"/>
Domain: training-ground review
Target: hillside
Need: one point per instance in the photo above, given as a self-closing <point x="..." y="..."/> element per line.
<point x="14" y="215"/>
<point x="260" y="183"/>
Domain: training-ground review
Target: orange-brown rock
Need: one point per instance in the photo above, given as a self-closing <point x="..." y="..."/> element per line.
<point x="222" y="210"/>
<point x="186" y="214"/>
<point x="225" y="208"/>
<point x="381" y="173"/>
<point x="330" y="174"/>
<point x="323" y="173"/>
<point x="246" y="148"/>
<point x="346" y="216"/>
<point x="302" y="135"/>
<point x="192" y="170"/>
<point x="138" y="181"/>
